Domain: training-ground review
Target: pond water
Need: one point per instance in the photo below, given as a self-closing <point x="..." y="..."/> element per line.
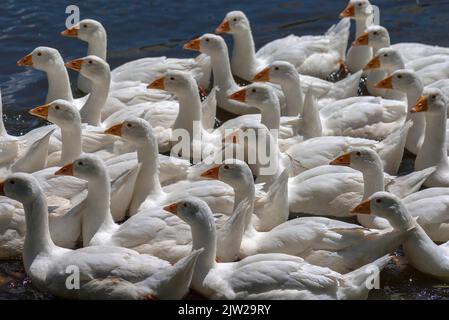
<point x="138" y="28"/>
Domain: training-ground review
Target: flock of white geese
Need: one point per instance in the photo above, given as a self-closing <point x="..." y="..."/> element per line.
<point x="97" y="189"/>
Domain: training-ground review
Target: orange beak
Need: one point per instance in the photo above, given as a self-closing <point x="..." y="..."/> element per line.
<point x="386" y="83"/>
<point x="75" y="64"/>
<point x="193" y="45"/>
<point x="157" y="84"/>
<point x="363" y="208"/>
<point x="41" y="112"/>
<point x="348" y="12"/>
<point x="173" y="208"/>
<point x="344" y="160"/>
<point x="262" y="76"/>
<point x="26" y="61"/>
<point x="115" y="130"/>
<point x="239" y="95"/>
<point x="363" y="40"/>
<point x="66" y="170"/>
<point x="211" y="173"/>
<point x="71" y="32"/>
<point x="2" y="188"/>
<point x="373" y="64"/>
<point x="421" y="105"/>
<point x="223" y="27"/>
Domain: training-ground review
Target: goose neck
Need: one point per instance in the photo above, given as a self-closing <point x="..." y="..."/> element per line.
<point x="91" y="111"/>
<point x="362" y="24"/>
<point x="71" y="143"/>
<point x="434" y="144"/>
<point x="373" y="180"/>
<point x="98" y="214"/>
<point x="293" y="97"/>
<point x="244" y="51"/>
<point x="37" y="239"/>
<point x="221" y="69"/>
<point x="58" y="83"/>
<point x="97" y="45"/>
<point x="271" y="115"/>
<point x="189" y="113"/>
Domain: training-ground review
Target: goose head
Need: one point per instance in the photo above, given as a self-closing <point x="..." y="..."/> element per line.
<point x="359" y="158"/>
<point x="209" y="44"/>
<point x="375" y="36"/>
<point x="21" y="187"/>
<point x="433" y="102"/>
<point x="234" y="22"/>
<point x="176" y="82"/>
<point x="194" y="212"/>
<point x="60" y="112"/>
<point x="387" y="206"/>
<point x="357" y="10"/>
<point x="279" y="72"/>
<point x="86" y="167"/>
<point x="85" y="30"/>
<point x="135" y="130"/>
<point x="233" y="172"/>
<point x="42" y="58"/>
<point x="259" y="95"/>
<point x="401" y="80"/>
<point x="92" y="67"/>
<point x="386" y="59"/>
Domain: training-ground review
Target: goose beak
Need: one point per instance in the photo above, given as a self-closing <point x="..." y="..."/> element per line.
<point x="70" y="32"/>
<point x="363" y="40"/>
<point x="211" y="173"/>
<point x="2" y="188"/>
<point x="386" y="83"/>
<point x="40" y="112"/>
<point x="373" y="64"/>
<point x="262" y="76"/>
<point x="238" y="96"/>
<point x="362" y="208"/>
<point x="157" y="84"/>
<point x="75" y="64"/>
<point x="223" y="27"/>
<point x="115" y="130"/>
<point x="420" y="106"/>
<point x="26" y="61"/>
<point x="66" y="170"/>
<point x="344" y="160"/>
<point x="193" y="45"/>
<point x="173" y="208"/>
<point x="349" y="11"/>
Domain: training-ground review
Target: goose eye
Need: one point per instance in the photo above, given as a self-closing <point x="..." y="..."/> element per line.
<point x="207" y="39"/>
<point x="358" y="153"/>
<point x="254" y="90"/>
<point x="85" y="26"/>
<point x="375" y="33"/>
<point x="39" y="54"/>
<point x="235" y="19"/>
<point x="226" y="167"/>
<point x="57" y="107"/>
<point x="386" y="55"/>
<point x="172" y="78"/>
<point x="433" y="97"/>
<point x="129" y="125"/>
<point x="12" y="182"/>
<point x="276" y="68"/>
<point x="378" y="201"/>
<point x="184" y="205"/>
<point x="90" y="62"/>
<point x="400" y="76"/>
<point x="360" y="4"/>
<point x="80" y="163"/>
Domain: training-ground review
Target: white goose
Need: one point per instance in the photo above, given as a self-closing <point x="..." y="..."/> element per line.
<point x="433" y="151"/>
<point x="148" y="189"/>
<point x="421" y="252"/>
<point x="317" y="56"/>
<point x="341" y="113"/>
<point x="124" y="273"/>
<point x="215" y="47"/>
<point x="143" y="70"/>
<point x="263" y="276"/>
<point x="408" y="81"/>
<point x="363" y="13"/>
<point x="326" y="242"/>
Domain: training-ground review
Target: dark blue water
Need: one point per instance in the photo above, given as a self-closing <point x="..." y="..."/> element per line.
<point x="138" y="28"/>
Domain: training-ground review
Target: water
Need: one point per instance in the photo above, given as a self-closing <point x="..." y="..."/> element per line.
<point x="155" y="28"/>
